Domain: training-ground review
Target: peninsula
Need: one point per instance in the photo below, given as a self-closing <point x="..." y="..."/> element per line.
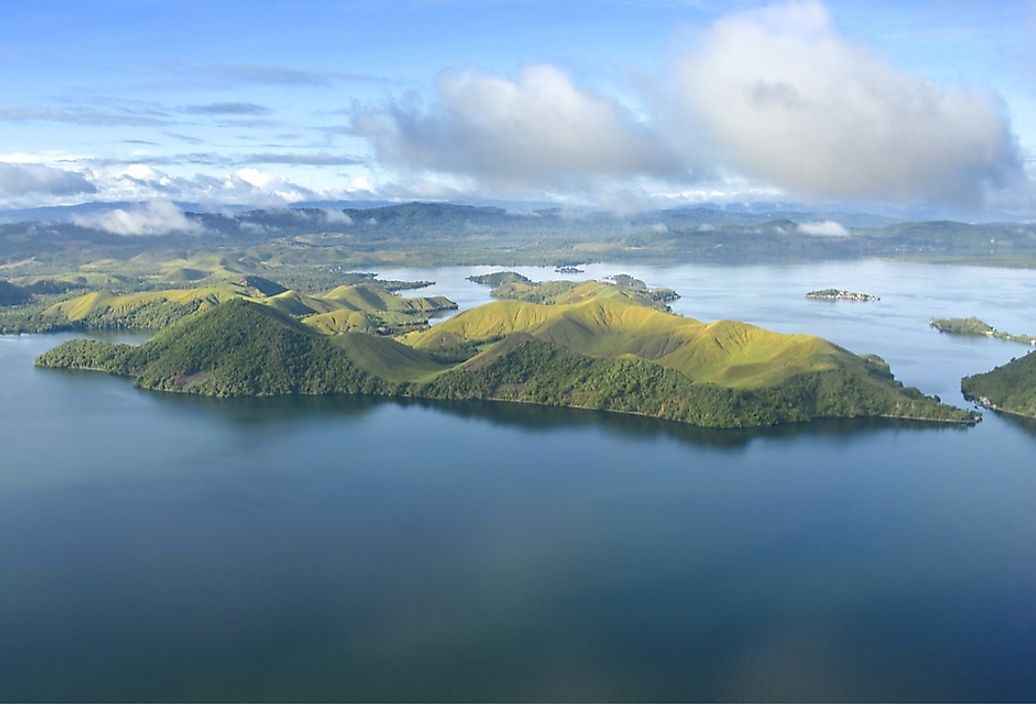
<point x="1010" y="388"/>
<point x="974" y="326"/>
<point x="596" y="345"/>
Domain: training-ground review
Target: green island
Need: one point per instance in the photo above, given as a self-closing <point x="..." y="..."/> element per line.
<point x="595" y="345"/>
<point x="974" y="326"/>
<point x="512" y="285"/>
<point x="1010" y="388"/>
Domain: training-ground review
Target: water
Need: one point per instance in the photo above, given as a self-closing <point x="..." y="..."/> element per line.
<point x="166" y="548"/>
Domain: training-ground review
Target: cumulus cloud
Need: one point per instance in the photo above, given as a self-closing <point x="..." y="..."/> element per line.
<point x="775" y="97"/>
<point x="789" y="100"/>
<point x="538" y="130"/>
<point x="18" y="180"/>
<point x="827" y="228"/>
<point x="156" y="217"/>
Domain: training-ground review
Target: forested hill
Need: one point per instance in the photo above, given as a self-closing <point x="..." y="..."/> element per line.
<point x="1011" y="387"/>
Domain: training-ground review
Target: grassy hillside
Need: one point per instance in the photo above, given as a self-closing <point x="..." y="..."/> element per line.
<point x="604" y="353"/>
<point x="1011" y="387"/>
<point x="525" y="369"/>
<point x="379" y="310"/>
<point x="610" y="324"/>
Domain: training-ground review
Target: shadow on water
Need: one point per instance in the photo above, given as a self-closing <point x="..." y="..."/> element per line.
<point x="1024" y="423"/>
<point x="536" y="419"/>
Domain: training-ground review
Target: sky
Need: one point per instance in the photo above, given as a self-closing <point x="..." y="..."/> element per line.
<point x="925" y="106"/>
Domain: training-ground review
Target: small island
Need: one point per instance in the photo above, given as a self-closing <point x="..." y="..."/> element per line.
<point x="567" y="270"/>
<point x="835" y="294"/>
<point x="498" y="278"/>
<point x="978" y="328"/>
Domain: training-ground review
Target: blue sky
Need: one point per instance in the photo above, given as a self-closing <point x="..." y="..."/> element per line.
<point x="621" y="104"/>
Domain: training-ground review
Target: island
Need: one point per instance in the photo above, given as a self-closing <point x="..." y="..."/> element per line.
<point x="1010" y="388"/>
<point x="567" y="270"/>
<point x="497" y="278"/>
<point x="596" y="345"/>
<point x="975" y="327"/>
<point x="835" y="294"/>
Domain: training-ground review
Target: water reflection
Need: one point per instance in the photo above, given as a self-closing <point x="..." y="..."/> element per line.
<point x="537" y="419"/>
<point x="1024" y="423"/>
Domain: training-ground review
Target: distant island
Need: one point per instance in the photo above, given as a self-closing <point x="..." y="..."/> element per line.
<point x="595" y="345"/>
<point x="974" y="326"/>
<point x="834" y="294"/>
<point x="499" y="277"/>
<point x="509" y="284"/>
<point x="1010" y="388"/>
<point x="567" y="270"/>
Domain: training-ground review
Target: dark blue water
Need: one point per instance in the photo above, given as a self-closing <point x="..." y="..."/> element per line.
<point x="158" y="547"/>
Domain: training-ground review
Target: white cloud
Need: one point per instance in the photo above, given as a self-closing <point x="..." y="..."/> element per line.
<point x="20" y="179"/>
<point x="788" y="100"/>
<point x="827" y="228"/>
<point x="536" y="130"/>
<point x="337" y="217"/>
<point x="250" y="185"/>
<point x="156" y="217"/>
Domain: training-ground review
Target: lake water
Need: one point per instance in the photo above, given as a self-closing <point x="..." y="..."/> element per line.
<point x="157" y="547"/>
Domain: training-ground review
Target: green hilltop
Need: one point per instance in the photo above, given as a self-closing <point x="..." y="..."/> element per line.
<point x="595" y="347"/>
<point x="367" y="306"/>
<point x="1010" y="388"/>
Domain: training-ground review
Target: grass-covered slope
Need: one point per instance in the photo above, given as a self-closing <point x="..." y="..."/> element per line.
<point x="1011" y="387"/>
<point x="525" y="369"/>
<point x="576" y="355"/>
<point x="378" y="309"/>
<point x="612" y="325"/>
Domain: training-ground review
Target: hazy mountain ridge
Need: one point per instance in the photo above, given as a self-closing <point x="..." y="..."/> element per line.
<point x="447" y="233"/>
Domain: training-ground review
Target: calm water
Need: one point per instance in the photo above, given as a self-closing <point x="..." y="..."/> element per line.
<point x="161" y="547"/>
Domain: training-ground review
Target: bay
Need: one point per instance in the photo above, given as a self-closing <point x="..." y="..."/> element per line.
<point x="157" y="547"/>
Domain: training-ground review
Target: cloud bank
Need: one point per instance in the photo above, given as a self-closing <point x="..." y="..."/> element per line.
<point x="157" y="217"/>
<point x="776" y="96"/>
<point x="17" y="180"/>
<point x="789" y="100"/>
